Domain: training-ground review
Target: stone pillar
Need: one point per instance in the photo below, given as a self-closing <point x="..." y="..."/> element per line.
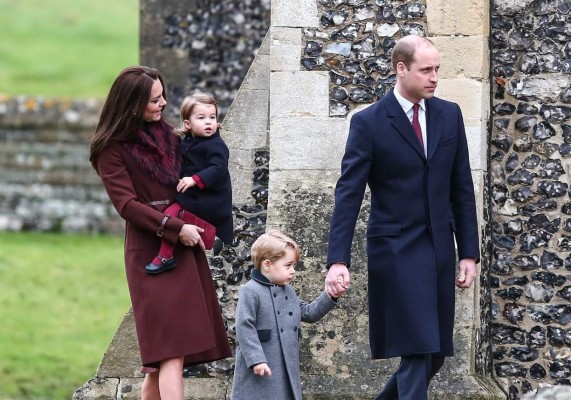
<point x="311" y="97"/>
<point x="460" y="30"/>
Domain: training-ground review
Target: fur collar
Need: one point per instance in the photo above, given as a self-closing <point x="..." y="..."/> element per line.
<point x="155" y="150"/>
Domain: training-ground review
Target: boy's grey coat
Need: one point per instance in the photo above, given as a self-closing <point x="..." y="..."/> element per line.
<point x="268" y="319"/>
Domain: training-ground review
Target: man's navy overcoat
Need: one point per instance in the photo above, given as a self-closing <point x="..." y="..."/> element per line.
<point x="419" y="205"/>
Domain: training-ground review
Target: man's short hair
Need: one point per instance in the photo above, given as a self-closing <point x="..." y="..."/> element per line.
<point x="404" y="49"/>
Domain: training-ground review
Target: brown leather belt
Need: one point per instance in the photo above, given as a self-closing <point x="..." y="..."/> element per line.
<point x="158" y="203"/>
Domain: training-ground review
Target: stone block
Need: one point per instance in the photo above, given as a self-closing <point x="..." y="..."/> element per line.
<point x="285" y="49"/>
<point x="468" y="93"/>
<point x="463" y="56"/>
<point x="241" y="170"/>
<point x="463" y="17"/>
<point x="465" y="305"/>
<point x="98" y="389"/>
<point x="477" y="146"/>
<point x="122" y="355"/>
<point x="299" y="94"/>
<point x="307" y="143"/>
<point x="258" y="75"/>
<point x="295" y="14"/>
<point x="130" y="388"/>
<point x="246" y="124"/>
<point x="560" y="392"/>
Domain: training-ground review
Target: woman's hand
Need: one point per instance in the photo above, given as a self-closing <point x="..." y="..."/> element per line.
<point x="190" y="235"/>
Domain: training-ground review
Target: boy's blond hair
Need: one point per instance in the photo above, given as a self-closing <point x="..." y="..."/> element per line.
<point x="272" y="246"/>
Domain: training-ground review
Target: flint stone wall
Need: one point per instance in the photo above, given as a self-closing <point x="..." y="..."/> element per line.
<point x="530" y="164"/>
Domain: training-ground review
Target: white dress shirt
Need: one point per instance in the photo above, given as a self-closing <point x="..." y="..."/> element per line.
<point x="407" y="108"/>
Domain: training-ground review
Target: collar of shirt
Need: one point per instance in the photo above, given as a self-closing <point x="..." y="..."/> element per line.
<point x="407" y="105"/>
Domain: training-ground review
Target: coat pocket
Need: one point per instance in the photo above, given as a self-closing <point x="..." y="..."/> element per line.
<point x="264" y="335"/>
<point x="384" y="229"/>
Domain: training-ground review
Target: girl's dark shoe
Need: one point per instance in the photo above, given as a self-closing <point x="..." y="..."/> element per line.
<point x="165" y="264"/>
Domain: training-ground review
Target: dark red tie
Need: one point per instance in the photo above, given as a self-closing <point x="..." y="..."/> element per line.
<point x="416" y="124"/>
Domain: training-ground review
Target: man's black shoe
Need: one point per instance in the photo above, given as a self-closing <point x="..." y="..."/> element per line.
<point x="165" y="265"/>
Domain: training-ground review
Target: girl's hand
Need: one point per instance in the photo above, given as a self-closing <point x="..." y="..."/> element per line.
<point x="185" y="183"/>
<point x="262" y="369"/>
<point x="190" y="235"/>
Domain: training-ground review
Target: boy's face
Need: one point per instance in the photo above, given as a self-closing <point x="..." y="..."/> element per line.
<point x="282" y="270"/>
<point x="203" y="121"/>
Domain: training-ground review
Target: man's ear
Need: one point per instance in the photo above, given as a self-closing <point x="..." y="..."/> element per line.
<point x="400" y="68"/>
<point x="266" y="265"/>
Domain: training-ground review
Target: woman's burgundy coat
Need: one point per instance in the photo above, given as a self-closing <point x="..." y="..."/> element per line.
<point x="176" y="312"/>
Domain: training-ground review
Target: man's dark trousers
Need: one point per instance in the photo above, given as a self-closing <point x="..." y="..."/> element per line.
<point x="410" y="381"/>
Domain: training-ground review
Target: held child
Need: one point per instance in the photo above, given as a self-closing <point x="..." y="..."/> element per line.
<point x="268" y="319"/>
<point x="205" y="188"/>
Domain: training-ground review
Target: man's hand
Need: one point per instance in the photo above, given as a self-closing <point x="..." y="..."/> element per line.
<point x="262" y="369"/>
<point x="467" y="273"/>
<point x="337" y="280"/>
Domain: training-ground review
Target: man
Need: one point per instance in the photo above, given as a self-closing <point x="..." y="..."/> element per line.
<point x="415" y="161"/>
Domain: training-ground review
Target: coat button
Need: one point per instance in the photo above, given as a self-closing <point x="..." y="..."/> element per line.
<point x="278" y="313"/>
<point x="295" y="328"/>
<point x="290" y="313"/>
<point x="275" y="295"/>
<point x="282" y="330"/>
<point x="286" y="297"/>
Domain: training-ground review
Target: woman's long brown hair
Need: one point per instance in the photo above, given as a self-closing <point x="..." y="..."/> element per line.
<point x="122" y="115"/>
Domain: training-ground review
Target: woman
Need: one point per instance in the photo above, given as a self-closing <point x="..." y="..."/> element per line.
<point x="177" y="316"/>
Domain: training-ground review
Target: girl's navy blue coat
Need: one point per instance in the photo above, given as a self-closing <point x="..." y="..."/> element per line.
<point x="207" y="157"/>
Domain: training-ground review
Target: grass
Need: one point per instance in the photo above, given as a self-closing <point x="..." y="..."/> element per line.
<point x="62" y="298"/>
<point x="66" y="48"/>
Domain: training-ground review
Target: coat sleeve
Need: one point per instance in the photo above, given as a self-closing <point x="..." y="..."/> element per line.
<point x="462" y="198"/>
<point x="122" y="193"/>
<point x="349" y="191"/>
<point x="216" y="164"/>
<point x="246" y="332"/>
<point x="314" y="311"/>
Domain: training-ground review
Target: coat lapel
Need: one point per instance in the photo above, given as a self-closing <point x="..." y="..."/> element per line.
<point x="434" y="126"/>
<point x="401" y="123"/>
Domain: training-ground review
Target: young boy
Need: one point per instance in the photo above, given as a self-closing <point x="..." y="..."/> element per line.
<point x="268" y="319"/>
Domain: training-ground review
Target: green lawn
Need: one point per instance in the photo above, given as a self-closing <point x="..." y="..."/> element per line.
<point x="66" y="48"/>
<point x="62" y="298"/>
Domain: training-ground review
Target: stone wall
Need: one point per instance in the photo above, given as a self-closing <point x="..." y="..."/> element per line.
<point x="530" y="164"/>
<point x="47" y="183"/>
<point x="323" y="61"/>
